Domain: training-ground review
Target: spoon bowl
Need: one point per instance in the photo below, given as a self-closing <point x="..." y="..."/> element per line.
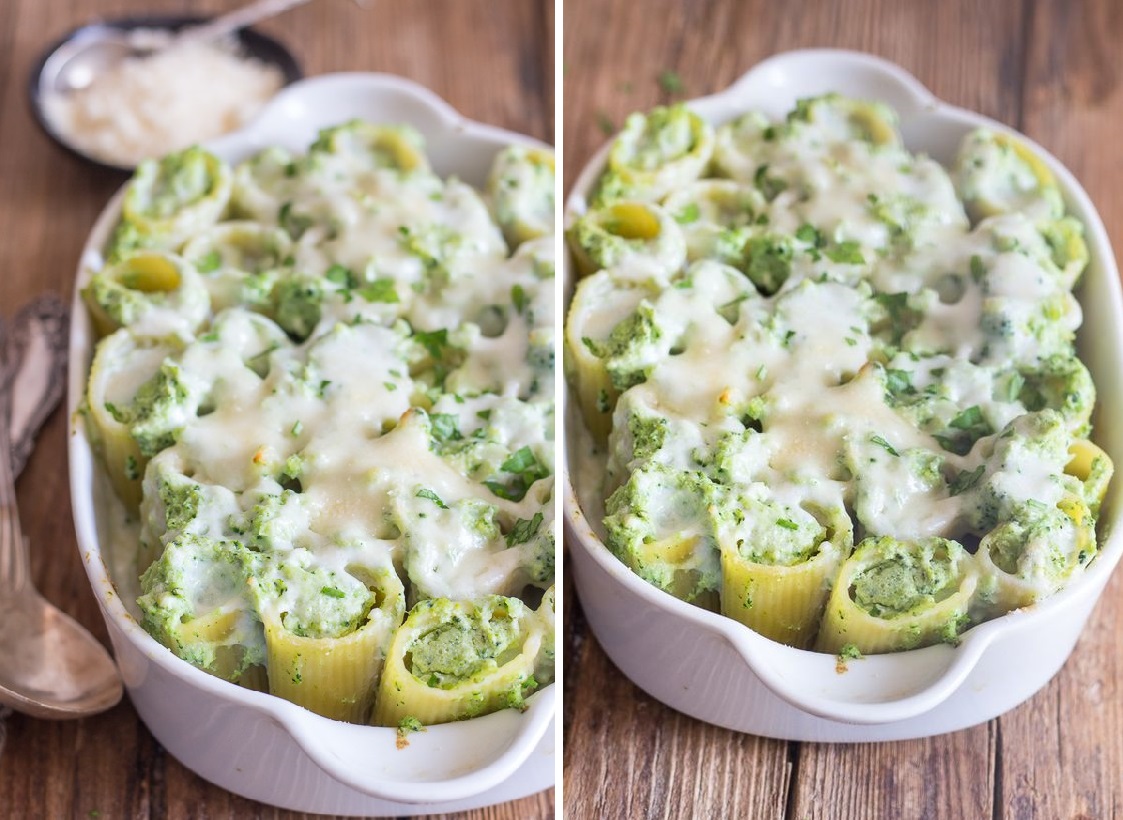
<point x="53" y="668"/>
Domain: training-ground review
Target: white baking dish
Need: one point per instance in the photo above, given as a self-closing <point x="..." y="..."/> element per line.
<point x="714" y="668"/>
<point x="249" y="742"/>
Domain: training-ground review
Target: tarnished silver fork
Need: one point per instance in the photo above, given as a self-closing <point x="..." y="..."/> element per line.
<point x="51" y="667"/>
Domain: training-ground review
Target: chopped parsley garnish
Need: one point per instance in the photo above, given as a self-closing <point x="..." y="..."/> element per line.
<point x="380" y="291"/>
<point x="444" y="427"/>
<point x="434" y="341"/>
<point x="966" y="480"/>
<point x="771" y="187"/>
<point x="341" y="276"/>
<point x="689" y="214"/>
<point x="787" y="524"/>
<point x="1014" y="384"/>
<point x="969" y="426"/>
<point x="332" y="592"/>
<point x="899" y="382"/>
<point x="519" y="298"/>
<point x="525" y="468"/>
<point x="881" y="442"/>
<point x="605" y="124"/>
<point x="967" y="419"/>
<point x="848" y="252"/>
<point x="978" y="270"/>
<point x="524" y="530"/>
<point x="209" y="263"/>
<point x="297" y="428"/>
<point x="425" y="492"/>
<point x="809" y="234"/>
<point x="671" y="82"/>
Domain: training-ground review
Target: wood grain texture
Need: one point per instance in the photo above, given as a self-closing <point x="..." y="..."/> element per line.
<point x="1051" y="69"/>
<point x="490" y="59"/>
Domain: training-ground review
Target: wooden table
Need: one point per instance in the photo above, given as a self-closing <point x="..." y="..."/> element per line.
<point x="1050" y="69"/>
<point x="491" y="59"/>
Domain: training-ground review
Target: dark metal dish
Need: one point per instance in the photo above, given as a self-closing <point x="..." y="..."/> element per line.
<point x="252" y="43"/>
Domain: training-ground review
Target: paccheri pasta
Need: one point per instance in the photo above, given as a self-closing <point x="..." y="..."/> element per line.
<point x="832" y="386"/>
<point x="325" y="386"/>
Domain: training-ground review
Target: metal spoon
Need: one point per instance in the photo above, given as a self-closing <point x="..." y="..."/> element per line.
<point x="50" y="666"/>
<point x="76" y="64"/>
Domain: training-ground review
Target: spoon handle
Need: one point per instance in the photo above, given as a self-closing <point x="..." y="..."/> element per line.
<point x="13" y="551"/>
<point x="239" y="18"/>
<point x="35" y="349"/>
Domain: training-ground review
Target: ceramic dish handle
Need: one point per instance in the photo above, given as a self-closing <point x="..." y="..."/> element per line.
<point x="869" y="690"/>
<point x="440" y="764"/>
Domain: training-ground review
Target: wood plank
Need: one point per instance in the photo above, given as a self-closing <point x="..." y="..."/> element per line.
<point x="950" y="776"/>
<point x="627" y="755"/>
<point x="1062" y="751"/>
<point x="110" y="764"/>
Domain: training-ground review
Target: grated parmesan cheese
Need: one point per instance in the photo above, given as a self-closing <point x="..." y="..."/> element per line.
<point x="151" y="105"/>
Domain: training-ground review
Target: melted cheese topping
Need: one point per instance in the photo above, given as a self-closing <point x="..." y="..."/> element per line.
<point x="866" y="348"/>
<point x="386" y="402"/>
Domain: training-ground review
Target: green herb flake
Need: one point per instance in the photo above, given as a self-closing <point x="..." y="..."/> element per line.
<point x="519" y="298"/>
<point x="770" y="187"/>
<point x="881" y="442"/>
<point x="332" y="592"/>
<point x="341" y="276"/>
<point x="978" y="270"/>
<point x="426" y="493"/>
<point x="209" y="263"/>
<point x="605" y="124"/>
<point x="671" y="82"/>
<point x="898" y="382"/>
<point x="524" y="530"/>
<point x="966" y="480"/>
<point x="444" y="427"/>
<point x="848" y="252"/>
<point x="689" y="214"/>
<point x="968" y="419"/>
<point x="525" y="468"/>
<point x="787" y="524"/>
<point x="809" y="234"/>
<point x="380" y="291"/>
<point x="297" y="428"/>
<point x="434" y="341"/>
<point x="1014" y="385"/>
